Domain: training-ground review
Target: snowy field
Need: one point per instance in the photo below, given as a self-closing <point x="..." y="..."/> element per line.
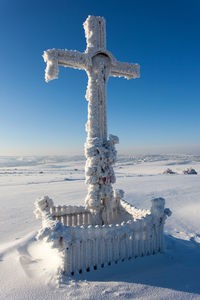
<point x="28" y="269"/>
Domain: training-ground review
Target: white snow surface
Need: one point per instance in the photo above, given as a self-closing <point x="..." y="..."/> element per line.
<point x="29" y="269"/>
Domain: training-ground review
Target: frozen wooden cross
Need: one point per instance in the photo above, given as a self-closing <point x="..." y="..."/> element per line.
<point x="99" y="64"/>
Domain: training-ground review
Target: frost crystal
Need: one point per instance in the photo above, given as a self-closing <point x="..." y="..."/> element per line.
<point x="100" y="152"/>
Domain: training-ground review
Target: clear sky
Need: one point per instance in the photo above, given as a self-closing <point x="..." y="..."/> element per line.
<point x="158" y="112"/>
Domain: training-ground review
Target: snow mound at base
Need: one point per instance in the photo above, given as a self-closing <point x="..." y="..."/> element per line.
<point x="37" y="259"/>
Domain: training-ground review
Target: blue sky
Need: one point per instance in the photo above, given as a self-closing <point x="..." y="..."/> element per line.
<point x="158" y="112"/>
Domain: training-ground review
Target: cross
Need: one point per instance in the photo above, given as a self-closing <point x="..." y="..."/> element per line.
<point x="99" y="65"/>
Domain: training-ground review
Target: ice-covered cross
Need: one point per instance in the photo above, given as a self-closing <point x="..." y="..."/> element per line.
<point x="99" y="64"/>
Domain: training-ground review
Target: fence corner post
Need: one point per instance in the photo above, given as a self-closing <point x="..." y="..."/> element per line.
<point x="158" y="218"/>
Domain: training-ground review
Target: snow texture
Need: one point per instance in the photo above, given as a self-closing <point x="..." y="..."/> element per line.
<point x="43" y="204"/>
<point x="28" y="266"/>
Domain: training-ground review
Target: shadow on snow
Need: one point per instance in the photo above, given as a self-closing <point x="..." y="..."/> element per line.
<point x="177" y="269"/>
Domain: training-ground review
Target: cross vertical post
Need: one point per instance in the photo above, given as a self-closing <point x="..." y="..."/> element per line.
<point x="100" y="151"/>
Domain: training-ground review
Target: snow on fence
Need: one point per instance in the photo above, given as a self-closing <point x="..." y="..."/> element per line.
<point x="76" y="215"/>
<point x="85" y="245"/>
<point x="71" y="215"/>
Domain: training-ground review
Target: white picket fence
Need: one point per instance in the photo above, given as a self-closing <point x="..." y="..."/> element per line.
<point x="88" y="246"/>
<point x="96" y="246"/>
<point x="71" y="215"/>
<point x="77" y="215"/>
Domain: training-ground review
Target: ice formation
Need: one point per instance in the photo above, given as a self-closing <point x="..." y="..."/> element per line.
<point x="100" y="152"/>
<point x="107" y="229"/>
<point x="84" y="245"/>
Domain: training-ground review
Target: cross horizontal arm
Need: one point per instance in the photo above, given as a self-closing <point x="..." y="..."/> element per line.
<point x="65" y="58"/>
<point x="126" y="70"/>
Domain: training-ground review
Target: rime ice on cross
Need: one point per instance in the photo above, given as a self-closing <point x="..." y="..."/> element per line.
<point x="100" y="152"/>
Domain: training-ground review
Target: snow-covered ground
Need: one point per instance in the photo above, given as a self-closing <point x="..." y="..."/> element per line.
<point x="28" y="269"/>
